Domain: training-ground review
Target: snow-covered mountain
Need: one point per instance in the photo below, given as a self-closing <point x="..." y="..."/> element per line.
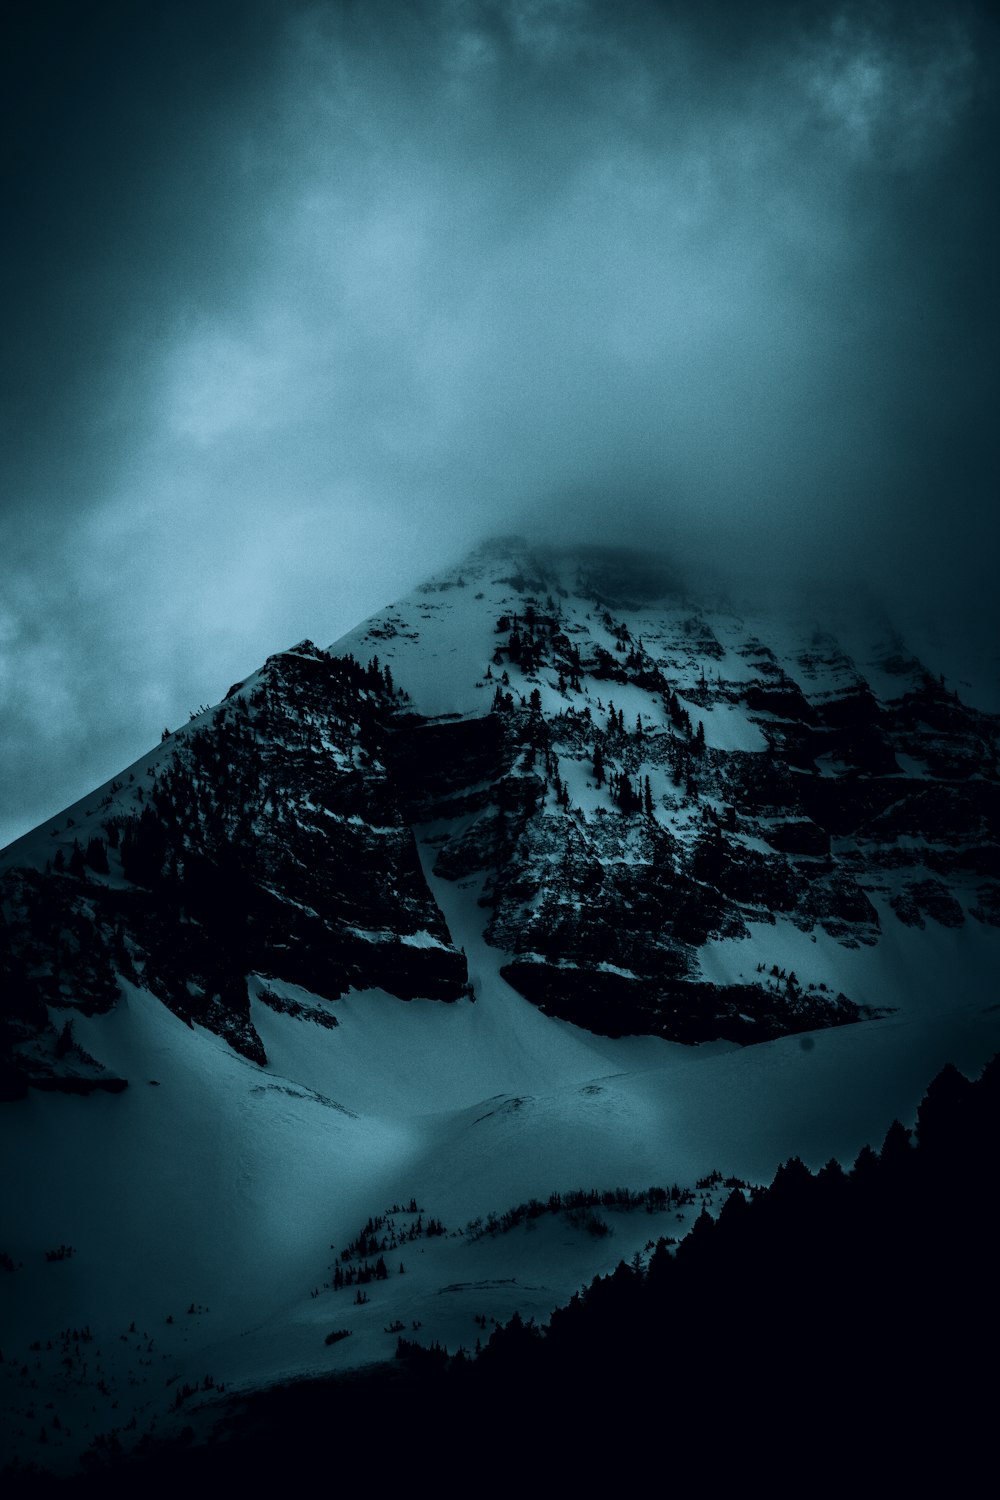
<point x="549" y="876"/>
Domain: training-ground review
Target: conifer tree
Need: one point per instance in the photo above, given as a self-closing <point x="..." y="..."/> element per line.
<point x="97" y="856"/>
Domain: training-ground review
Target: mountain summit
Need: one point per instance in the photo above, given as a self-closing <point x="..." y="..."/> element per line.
<point x="660" y="800"/>
<point x="552" y="875"/>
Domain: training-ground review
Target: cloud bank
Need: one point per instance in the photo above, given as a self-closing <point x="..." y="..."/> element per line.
<point x="304" y="299"/>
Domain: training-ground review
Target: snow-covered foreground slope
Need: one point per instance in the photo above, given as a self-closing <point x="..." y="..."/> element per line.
<point x="176" y="1237"/>
<point x="214" y="1185"/>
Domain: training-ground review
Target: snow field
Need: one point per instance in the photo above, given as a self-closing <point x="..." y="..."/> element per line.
<point x="214" y="1185"/>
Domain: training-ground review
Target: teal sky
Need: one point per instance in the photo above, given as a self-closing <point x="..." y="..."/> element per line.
<point x="300" y="300"/>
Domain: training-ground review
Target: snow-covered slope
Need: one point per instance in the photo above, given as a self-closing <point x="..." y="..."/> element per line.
<point x="175" y="1237"/>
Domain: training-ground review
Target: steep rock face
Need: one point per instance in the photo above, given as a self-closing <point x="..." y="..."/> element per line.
<point x="631" y="776"/>
<point x="267" y="838"/>
<point x="604" y="915"/>
<point x="445" y="768"/>
<point x="669" y="776"/>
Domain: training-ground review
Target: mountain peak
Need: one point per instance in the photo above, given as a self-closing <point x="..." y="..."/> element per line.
<point x="549" y="869"/>
<point x="689" y="772"/>
<point x="605" y="572"/>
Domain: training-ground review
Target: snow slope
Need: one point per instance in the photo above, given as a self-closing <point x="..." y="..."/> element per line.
<point x="201" y="1204"/>
<point x="221" y="1186"/>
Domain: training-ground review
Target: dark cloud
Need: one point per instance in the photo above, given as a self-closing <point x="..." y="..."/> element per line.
<point x="300" y="298"/>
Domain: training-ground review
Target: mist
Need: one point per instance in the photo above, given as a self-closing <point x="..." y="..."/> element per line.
<point x="301" y="301"/>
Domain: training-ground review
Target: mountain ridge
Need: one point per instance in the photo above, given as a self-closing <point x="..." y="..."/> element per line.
<point x="719" y="794"/>
<point x="365" y="936"/>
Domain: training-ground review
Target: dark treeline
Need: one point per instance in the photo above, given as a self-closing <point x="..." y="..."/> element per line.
<point x="654" y="1200"/>
<point x="835" y="1323"/>
<point x="836" y="1292"/>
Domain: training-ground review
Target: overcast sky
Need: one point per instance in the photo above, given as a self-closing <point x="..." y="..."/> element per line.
<point x="301" y="300"/>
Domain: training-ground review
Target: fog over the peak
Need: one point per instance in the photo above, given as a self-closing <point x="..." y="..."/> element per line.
<point x="301" y="300"/>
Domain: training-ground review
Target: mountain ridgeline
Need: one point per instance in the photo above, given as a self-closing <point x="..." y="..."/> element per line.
<point x="634" y="783"/>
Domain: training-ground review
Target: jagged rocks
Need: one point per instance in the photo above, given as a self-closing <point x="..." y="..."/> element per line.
<point x="616" y="1004"/>
<point x="448" y="768"/>
<point x="270" y="839"/>
<point x="987" y="905"/>
<point x="798" y="836"/>
<point x="631" y="776"/>
<point x="841" y="907"/>
<point x="927" y="898"/>
<point x="906" y="908"/>
<point x="759" y="784"/>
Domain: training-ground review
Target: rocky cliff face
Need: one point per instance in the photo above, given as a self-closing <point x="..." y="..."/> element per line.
<point x="267" y="838"/>
<point x="631" y="777"/>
